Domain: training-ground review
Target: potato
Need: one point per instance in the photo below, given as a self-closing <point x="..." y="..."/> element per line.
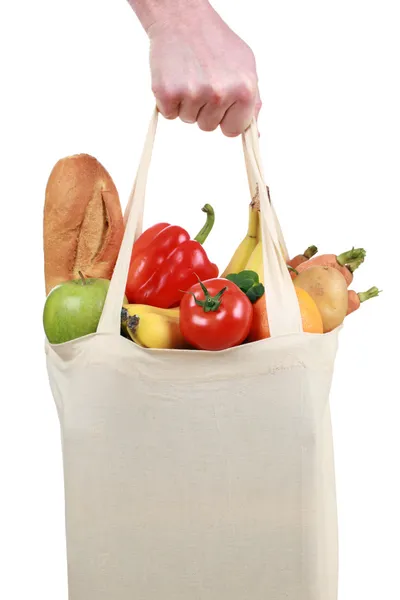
<point x="328" y="288"/>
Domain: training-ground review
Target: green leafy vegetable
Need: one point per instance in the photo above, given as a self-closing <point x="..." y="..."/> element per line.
<point x="249" y="283"/>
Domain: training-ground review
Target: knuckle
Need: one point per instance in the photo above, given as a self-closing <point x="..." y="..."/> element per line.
<point x="207" y="93"/>
<point x="166" y="94"/>
<point x="246" y="91"/>
<point x="191" y="96"/>
<point x="158" y="90"/>
<point x="216" y="96"/>
<point x="200" y="92"/>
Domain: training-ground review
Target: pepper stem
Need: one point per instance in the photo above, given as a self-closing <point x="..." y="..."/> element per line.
<point x="371" y="293"/>
<point x="205" y="230"/>
<point x="310" y="252"/>
<point x="352" y="259"/>
<point x="82" y="277"/>
<point x="210" y="303"/>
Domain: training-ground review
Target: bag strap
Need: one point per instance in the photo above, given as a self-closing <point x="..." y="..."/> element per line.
<point x="254" y="190"/>
<point x="283" y="309"/>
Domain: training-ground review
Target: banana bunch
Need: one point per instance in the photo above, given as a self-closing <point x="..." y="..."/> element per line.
<point x="152" y="327"/>
<point x="248" y="256"/>
<point x="249" y="243"/>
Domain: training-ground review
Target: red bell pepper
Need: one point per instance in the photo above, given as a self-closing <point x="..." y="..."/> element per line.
<point x="165" y="263"/>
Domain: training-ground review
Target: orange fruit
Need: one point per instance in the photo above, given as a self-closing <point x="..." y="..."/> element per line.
<point x="310" y="316"/>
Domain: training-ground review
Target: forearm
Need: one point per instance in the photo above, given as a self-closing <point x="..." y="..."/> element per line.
<point x="150" y="12"/>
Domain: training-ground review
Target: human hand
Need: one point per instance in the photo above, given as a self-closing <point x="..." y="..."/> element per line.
<point x="203" y="72"/>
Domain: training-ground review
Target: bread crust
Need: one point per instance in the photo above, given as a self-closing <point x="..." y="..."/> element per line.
<point x="82" y="222"/>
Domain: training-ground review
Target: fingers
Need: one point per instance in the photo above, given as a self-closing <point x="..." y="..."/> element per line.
<point x="192" y="103"/>
<point x="240" y="113"/>
<point x="231" y="108"/>
<point x="168" y="100"/>
<point x="173" y="102"/>
<point x="213" y="112"/>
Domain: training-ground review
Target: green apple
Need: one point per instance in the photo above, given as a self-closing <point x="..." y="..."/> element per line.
<point x="73" y="308"/>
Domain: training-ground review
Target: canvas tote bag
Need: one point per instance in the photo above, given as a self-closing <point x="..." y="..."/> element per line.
<point x="193" y="475"/>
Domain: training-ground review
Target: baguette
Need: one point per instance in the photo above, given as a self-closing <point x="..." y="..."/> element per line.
<point x="82" y="222"/>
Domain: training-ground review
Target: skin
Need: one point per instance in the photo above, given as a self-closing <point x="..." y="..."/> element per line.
<point x="328" y="289"/>
<point x="354" y="302"/>
<point x="201" y="71"/>
<point x="327" y="260"/>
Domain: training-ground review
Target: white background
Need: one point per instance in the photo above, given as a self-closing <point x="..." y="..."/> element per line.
<point x="76" y="79"/>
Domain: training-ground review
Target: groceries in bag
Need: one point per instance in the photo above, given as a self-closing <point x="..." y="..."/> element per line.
<point x="297" y="260"/>
<point x="246" y="247"/>
<point x="310" y="317"/>
<point x="152" y="327"/>
<point x="165" y="262"/>
<point x="82" y="222"/>
<point x="356" y="299"/>
<point x="215" y="315"/>
<point x="73" y="308"/>
<point x="174" y="297"/>
<point x="328" y="288"/>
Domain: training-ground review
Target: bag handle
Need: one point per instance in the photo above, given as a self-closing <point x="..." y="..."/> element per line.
<point x="254" y="190"/>
<point x="283" y="309"/>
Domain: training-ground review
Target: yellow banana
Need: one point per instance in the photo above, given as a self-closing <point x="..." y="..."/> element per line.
<point x="247" y="245"/>
<point x="137" y="309"/>
<point x="256" y="263"/>
<point x="249" y="255"/>
<point x="152" y="327"/>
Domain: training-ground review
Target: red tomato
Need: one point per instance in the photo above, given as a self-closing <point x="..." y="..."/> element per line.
<point x="211" y="320"/>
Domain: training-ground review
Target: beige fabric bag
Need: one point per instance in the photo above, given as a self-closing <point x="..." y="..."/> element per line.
<point x="196" y="475"/>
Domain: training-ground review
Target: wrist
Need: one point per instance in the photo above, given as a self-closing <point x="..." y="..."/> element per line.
<point x="159" y="14"/>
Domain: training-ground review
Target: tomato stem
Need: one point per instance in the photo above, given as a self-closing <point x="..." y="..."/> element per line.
<point x="210" y="303"/>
